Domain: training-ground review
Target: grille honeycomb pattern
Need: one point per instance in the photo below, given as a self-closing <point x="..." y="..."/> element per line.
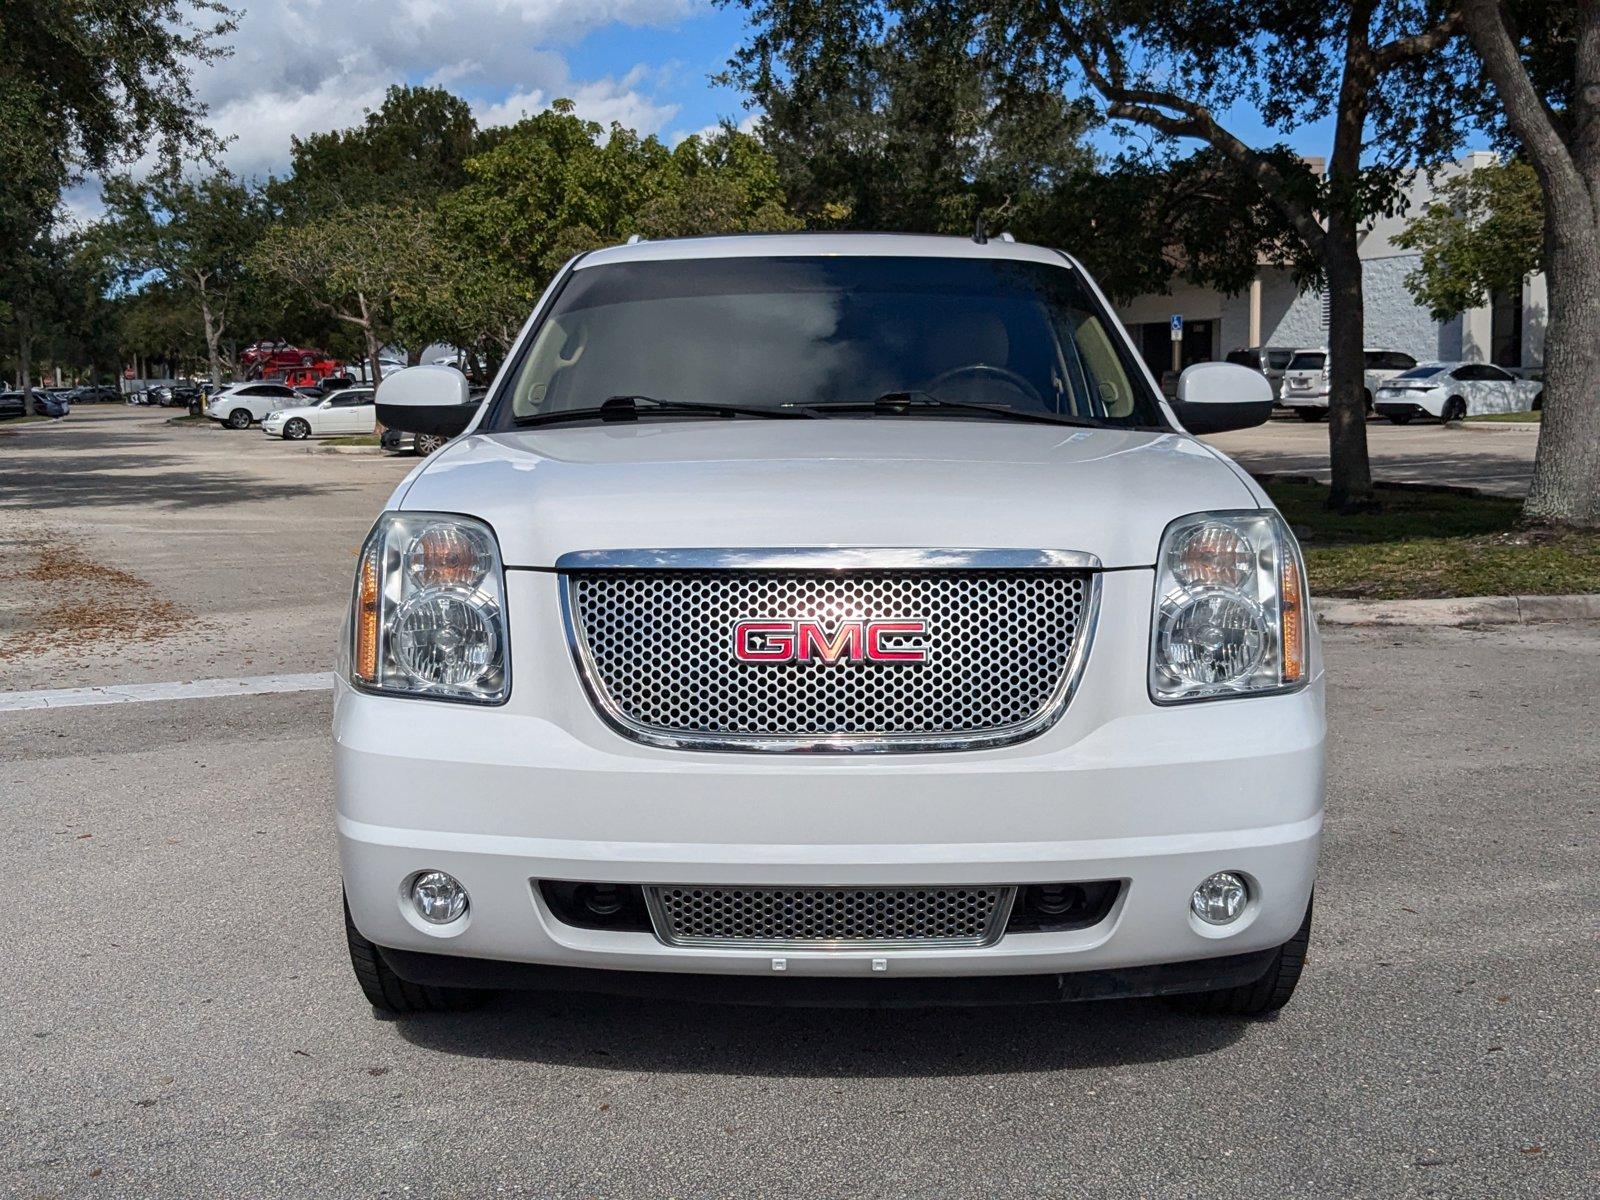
<point x="701" y="916"/>
<point x="661" y="648"/>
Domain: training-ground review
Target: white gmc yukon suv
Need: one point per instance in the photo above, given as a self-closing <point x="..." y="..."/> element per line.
<point x="829" y="619"/>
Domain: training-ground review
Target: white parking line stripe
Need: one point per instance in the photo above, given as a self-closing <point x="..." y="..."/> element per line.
<point x="132" y="693"/>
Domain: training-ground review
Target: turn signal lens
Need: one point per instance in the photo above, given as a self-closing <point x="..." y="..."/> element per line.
<point x="1293" y="617"/>
<point x="367" y="603"/>
<point x="1212" y="555"/>
<point x="454" y="556"/>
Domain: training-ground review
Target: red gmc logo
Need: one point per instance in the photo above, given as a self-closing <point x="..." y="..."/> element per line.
<point x="809" y="641"/>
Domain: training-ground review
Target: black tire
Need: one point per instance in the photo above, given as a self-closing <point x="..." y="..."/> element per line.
<point x="296" y="430"/>
<point x="239" y="418"/>
<point x="1400" y="418"/>
<point x="1309" y="415"/>
<point x="1538" y="402"/>
<point x="426" y="443"/>
<point x="387" y="992"/>
<point x="1455" y="409"/>
<point x="1266" y="995"/>
<point x="1367" y="398"/>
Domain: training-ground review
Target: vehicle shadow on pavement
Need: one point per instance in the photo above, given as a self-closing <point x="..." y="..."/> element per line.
<point x="122" y="479"/>
<point x="622" y="1034"/>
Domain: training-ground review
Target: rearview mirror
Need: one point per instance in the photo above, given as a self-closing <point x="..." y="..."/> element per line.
<point x="1217" y="397"/>
<point x="425" y="400"/>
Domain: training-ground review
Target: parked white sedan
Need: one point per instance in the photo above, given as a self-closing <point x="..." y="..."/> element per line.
<point x="348" y="411"/>
<point x="1308" y="379"/>
<point x="1452" y="390"/>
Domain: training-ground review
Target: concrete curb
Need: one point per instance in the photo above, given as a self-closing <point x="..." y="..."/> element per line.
<point x="1466" y="610"/>
<point x="1500" y="426"/>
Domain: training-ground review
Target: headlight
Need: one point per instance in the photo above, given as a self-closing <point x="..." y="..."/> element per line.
<point x="428" y="617"/>
<point x="1230" y="608"/>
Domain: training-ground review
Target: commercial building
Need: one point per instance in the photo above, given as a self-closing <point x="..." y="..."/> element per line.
<point x="1272" y="311"/>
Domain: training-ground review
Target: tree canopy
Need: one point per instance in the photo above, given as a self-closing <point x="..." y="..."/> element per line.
<point x="1484" y="234"/>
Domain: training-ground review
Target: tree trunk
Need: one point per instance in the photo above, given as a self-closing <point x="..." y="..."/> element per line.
<point x="213" y="335"/>
<point x="1566" y="471"/>
<point x="24" y="355"/>
<point x="1349" y="467"/>
<point x="370" y="337"/>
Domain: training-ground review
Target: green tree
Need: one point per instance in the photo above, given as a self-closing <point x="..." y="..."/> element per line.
<point x="1484" y="234"/>
<point x="193" y="233"/>
<point x="883" y="117"/>
<point x="85" y="86"/>
<point x="412" y="148"/>
<point x="357" y="266"/>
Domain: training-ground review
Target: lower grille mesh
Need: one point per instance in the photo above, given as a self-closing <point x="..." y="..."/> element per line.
<point x="851" y="917"/>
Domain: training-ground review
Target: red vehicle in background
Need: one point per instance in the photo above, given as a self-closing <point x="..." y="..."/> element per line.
<point x="259" y="359"/>
<point x="307" y="376"/>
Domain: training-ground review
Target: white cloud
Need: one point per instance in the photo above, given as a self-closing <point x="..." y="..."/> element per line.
<point x="603" y="100"/>
<point x="305" y="65"/>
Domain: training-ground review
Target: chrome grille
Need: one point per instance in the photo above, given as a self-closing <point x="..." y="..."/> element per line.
<point x="656" y="650"/>
<point x="846" y="918"/>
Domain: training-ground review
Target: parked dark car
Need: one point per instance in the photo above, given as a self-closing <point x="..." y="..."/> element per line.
<point x="46" y="405"/>
<point x="171" y="395"/>
<point x="91" y="393"/>
<point x="13" y="404"/>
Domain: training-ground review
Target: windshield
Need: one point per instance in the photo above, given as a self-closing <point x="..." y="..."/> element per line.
<point x="1307" y="360"/>
<point x="1420" y="373"/>
<point x="800" y="331"/>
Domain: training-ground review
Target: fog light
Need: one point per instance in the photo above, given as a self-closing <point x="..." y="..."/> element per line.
<point x="438" y="898"/>
<point x="1220" y="898"/>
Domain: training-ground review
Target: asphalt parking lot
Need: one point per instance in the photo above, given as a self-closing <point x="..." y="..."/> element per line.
<point x="179" y="1018"/>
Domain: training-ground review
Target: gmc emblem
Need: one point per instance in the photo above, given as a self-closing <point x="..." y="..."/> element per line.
<point x="808" y="641"/>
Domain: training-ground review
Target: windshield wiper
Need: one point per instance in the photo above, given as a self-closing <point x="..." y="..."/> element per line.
<point x="629" y="408"/>
<point x="904" y="403"/>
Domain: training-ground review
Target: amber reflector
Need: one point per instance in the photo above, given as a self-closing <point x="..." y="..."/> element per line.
<point x="367" y="619"/>
<point x="1294" y="621"/>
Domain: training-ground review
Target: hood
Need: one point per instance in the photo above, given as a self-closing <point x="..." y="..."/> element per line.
<point x="841" y="482"/>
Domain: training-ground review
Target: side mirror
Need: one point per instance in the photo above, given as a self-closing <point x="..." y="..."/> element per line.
<point x="425" y="400"/>
<point x="1217" y="397"/>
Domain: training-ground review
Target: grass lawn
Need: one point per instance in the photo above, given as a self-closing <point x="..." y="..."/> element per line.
<point x="359" y="439"/>
<point x="188" y="419"/>
<point x="1433" y="544"/>
<point x="1516" y="418"/>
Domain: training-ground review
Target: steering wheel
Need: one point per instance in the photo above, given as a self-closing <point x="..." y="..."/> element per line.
<point x="1003" y="374"/>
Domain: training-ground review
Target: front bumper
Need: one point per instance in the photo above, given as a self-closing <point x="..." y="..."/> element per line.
<point x="1304" y="399"/>
<point x="1119" y="788"/>
<point x="1392" y="407"/>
